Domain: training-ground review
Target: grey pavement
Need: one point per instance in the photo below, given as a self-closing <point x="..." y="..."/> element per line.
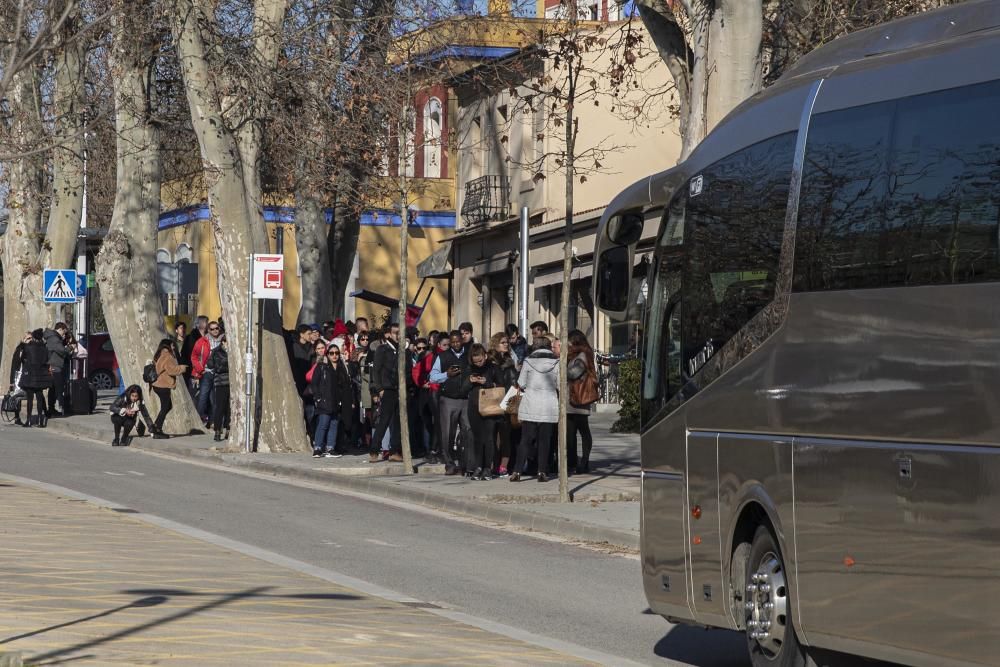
<point x="581" y="596"/>
<point x="605" y="507"/>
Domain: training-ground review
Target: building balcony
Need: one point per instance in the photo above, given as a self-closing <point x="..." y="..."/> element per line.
<point x="486" y="198"/>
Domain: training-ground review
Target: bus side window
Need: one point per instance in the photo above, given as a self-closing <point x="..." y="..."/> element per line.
<point x="732" y="245"/>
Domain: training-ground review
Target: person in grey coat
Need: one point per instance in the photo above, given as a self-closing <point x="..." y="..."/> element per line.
<point x="539" y="408"/>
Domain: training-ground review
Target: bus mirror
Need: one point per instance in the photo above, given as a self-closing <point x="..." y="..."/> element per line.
<point x="614" y="277"/>
<point x="625" y="229"/>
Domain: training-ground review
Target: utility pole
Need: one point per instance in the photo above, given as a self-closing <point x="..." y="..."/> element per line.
<point x="571" y="127"/>
<point x="402" y="352"/>
<point x="404" y="237"/>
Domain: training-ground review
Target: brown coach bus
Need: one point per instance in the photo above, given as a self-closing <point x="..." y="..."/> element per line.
<point x="821" y="379"/>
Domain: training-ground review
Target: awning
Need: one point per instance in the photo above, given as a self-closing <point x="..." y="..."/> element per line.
<point x="375" y="297"/>
<point x="556" y="277"/>
<point x="438" y="265"/>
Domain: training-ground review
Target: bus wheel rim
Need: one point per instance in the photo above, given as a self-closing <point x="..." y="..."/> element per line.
<point x="767" y="606"/>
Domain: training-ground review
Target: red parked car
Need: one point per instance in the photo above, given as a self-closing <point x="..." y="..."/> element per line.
<point x="101" y="361"/>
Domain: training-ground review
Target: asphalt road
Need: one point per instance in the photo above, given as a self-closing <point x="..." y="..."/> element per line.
<point x="565" y="592"/>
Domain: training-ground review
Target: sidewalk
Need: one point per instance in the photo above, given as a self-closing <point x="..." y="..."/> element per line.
<point x="84" y="584"/>
<point x="605" y="507"/>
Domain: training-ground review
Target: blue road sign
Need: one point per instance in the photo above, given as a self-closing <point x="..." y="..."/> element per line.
<point x="81" y="286"/>
<point x="59" y="286"/>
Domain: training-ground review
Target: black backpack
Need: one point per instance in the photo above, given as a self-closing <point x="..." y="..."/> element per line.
<point x="149" y="373"/>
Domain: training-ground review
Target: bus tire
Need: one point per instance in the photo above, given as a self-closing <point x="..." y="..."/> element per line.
<point x="768" y="624"/>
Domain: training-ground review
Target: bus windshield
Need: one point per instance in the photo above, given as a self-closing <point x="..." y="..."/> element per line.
<point x="662" y="354"/>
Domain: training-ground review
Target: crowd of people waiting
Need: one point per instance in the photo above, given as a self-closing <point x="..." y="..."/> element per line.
<point x="484" y="410"/>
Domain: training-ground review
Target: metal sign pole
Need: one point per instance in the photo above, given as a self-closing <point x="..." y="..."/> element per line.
<point x="249" y="359"/>
<point x="522" y="306"/>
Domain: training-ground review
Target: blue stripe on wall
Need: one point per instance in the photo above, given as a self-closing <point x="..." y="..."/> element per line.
<point x="286" y="214"/>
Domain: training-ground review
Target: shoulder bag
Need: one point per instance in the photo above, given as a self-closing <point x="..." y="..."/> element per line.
<point x="489" y="401"/>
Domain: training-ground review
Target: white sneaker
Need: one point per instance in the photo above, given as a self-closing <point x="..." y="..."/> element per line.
<point x="332" y="455"/>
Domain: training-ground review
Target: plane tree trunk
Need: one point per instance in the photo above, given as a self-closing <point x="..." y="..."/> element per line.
<point x="231" y="163"/>
<point x="69" y="102"/>
<point x="715" y="59"/>
<point x="23" y="307"/>
<point x="126" y="265"/>
<point x="311" y="231"/>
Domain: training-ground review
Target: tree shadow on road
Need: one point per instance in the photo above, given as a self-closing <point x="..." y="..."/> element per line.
<point x="152" y="598"/>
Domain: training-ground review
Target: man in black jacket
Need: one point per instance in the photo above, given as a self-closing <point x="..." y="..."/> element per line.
<point x="58" y="354"/>
<point x="385" y="391"/>
<point x="453" y="400"/>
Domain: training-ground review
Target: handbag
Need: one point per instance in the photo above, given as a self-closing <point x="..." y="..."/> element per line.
<point x="513" y="403"/>
<point x="489" y="401"/>
<point x="584" y="391"/>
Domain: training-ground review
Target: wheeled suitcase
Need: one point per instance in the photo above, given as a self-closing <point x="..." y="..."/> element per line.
<point x="81" y="397"/>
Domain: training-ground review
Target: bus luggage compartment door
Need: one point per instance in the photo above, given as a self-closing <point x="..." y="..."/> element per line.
<point x="663" y="553"/>
<point x="708" y="590"/>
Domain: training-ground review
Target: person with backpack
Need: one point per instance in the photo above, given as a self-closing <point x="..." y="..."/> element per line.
<point x="125" y="412"/>
<point x="581" y="373"/>
<point x="164" y="378"/>
<point x="218" y="364"/>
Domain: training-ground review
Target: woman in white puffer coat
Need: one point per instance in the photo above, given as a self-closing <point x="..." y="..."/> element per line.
<point x="539" y="408"/>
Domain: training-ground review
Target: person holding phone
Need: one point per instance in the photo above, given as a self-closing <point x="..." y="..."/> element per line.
<point x="125" y="413"/>
<point x="453" y="399"/>
<point x="481" y="373"/>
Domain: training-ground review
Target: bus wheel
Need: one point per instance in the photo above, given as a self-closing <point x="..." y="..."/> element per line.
<point x="768" y="607"/>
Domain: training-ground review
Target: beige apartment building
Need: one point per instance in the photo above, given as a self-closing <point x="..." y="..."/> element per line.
<point x="508" y="145"/>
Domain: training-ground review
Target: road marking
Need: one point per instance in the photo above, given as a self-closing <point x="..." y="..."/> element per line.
<point x="381" y="543"/>
<point x="116" y="474"/>
<point x="347" y="581"/>
<point x="140" y="474"/>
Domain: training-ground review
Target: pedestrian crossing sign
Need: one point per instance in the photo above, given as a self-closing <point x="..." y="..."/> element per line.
<point x="59" y="286"/>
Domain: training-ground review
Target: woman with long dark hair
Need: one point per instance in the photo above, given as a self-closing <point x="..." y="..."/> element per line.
<point x="580" y="364"/>
<point x="167" y="370"/>
<point x="481" y="374"/>
<point x="333" y="394"/>
<point x="503" y="359"/>
<point x="36" y="376"/>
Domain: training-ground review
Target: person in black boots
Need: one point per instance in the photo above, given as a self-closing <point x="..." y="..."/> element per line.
<point x="125" y="413"/>
<point x="448" y="369"/>
<point x="218" y="363"/>
<point x="481" y="374"/>
<point x="385" y="386"/>
<point x="36" y="377"/>
<point x="167" y="371"/>
<point x="17" y="373"/>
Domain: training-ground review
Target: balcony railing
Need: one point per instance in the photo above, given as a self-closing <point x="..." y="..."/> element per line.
<point x="486" y="198"/>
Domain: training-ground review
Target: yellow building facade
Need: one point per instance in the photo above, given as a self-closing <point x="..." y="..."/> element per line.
<point x="186" y="257"/>
<point x="189" y="274"/>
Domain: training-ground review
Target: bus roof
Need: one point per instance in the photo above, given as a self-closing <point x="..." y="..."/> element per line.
<point x="777" y="109"/>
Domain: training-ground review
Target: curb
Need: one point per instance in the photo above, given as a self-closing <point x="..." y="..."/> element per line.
<point x="368" y="485"/>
